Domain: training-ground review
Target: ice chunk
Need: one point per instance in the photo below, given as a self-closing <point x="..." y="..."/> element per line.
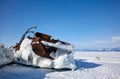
<point x="62" y="60"/>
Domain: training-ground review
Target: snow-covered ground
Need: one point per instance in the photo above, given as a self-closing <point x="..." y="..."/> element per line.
<point x="90" y="65"/>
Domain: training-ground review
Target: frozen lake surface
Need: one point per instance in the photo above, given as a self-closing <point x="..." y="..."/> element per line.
<point x="90" y="65"/>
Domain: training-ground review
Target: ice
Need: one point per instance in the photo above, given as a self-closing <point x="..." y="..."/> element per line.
<point x="59" y="45"/>
<point x="6" y="56"/>
<point x="62" y="59"/>
<point x="89" y="65"/>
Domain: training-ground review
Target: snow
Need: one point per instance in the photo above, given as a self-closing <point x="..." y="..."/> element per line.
<point x="26" y="56"/>
<point x="5" y="55"/>
<point x="90" y="65"/>
<point x="16" y="71"/>
<point x="59" y="45"/>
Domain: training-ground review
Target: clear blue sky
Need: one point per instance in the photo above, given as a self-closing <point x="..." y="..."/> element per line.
<point x="84" y="23"/>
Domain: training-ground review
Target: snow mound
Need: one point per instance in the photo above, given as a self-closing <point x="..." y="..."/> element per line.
<point x="62" y="59"/>
<point x="6" y="56"/>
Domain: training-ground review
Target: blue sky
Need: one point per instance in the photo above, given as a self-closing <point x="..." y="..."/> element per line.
<point x="84" y="23"/>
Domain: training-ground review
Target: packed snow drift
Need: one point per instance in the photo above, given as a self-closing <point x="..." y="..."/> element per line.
<point x="6" y="55"/>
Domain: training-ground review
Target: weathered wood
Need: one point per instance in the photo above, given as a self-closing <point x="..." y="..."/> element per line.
<point x="41" y="49"/>
<point x="37" y="46"/>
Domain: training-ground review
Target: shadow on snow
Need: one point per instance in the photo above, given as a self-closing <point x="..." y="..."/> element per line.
<point x="17" y="71"/>
<point x="82" y="64"/>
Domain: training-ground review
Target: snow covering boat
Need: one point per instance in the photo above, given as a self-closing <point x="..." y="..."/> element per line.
<point x="61" y="59"/>
<point x="42" y="51"/>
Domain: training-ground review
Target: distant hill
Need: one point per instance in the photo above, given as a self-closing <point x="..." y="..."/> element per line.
<point x="100" y="50"/>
